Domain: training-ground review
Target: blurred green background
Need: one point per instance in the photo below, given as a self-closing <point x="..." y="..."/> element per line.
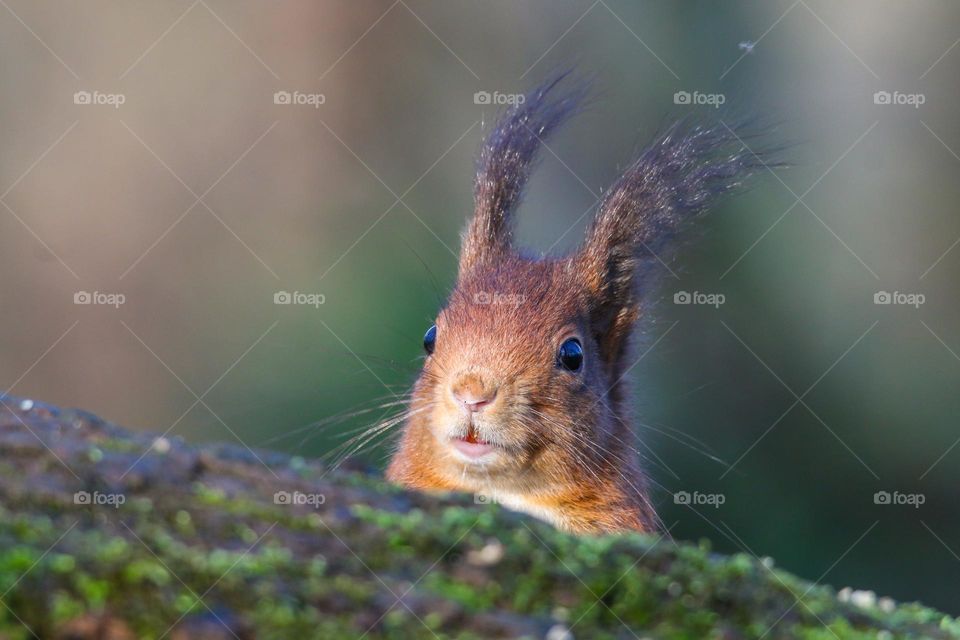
<point x="199" y="198"/>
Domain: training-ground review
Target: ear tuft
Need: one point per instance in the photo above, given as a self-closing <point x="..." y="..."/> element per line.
<point x="507" y="159"/>
<point x="670" y="184"/>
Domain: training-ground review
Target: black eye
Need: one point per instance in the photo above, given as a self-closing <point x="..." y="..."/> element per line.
<point x="430" y="339"/>
<point x="570" y="355"/>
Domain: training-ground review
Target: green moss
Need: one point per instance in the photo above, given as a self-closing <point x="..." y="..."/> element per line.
<point x="276" y="571"/>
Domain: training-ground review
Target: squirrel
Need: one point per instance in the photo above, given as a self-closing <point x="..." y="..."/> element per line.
<point x="523" y="396"/>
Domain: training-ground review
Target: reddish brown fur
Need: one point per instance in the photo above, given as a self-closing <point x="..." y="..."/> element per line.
<point x="566" y="448"/>
<point x="562" y="446"/>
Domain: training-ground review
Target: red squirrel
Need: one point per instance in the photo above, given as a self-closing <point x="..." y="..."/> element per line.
<point x="524" y="395"/>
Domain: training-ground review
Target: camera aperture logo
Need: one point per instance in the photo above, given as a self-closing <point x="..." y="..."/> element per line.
<point x="898" y="98"/>
<point x="900" y="298"/>
<point x="99" y="298"/>
<point x="97" y="499"/>
<point x="495" y="297"/>
<point x="299" y="499"/>
<point x="698" y="297"/>
<point x="98" y="98"/>
<point x="497" y="98"/>
<point x="898" y="499"/>
<point x="299" y="98"/>
<point x="299" y="298"/>
<point x="696" y="498"/>
<point x="697" y="98"/>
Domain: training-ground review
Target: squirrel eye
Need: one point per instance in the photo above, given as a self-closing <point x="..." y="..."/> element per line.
<point x="430" y="339"/>
<point x="570" y="355"/>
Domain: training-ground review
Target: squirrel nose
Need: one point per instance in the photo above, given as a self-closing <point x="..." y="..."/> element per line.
<point x="472" y="396"/>
<point x="473" y="403"/>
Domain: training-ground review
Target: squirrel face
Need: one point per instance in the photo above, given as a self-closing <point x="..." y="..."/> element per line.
<point x="503" y="381"/>
<point x="517" y="400"/>
<point x="523" y="396"/>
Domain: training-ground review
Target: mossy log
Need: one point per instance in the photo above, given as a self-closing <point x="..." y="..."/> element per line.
<point x="112" y="534"/>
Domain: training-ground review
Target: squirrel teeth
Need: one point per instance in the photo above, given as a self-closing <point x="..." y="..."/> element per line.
<point x="472" y="438"/>
<point x="471" y="447"/>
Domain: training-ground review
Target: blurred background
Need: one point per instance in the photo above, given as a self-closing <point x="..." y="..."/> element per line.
<point x="169" y="170"/>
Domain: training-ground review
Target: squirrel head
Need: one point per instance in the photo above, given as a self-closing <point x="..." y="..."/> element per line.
<point x="522" y="394"/>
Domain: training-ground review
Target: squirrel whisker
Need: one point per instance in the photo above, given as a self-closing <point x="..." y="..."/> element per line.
<point x="533" y="353"/>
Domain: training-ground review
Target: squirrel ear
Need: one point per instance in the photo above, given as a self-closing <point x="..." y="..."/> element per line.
<point x="671" y="183"/>
<point x="506" y="160"/>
